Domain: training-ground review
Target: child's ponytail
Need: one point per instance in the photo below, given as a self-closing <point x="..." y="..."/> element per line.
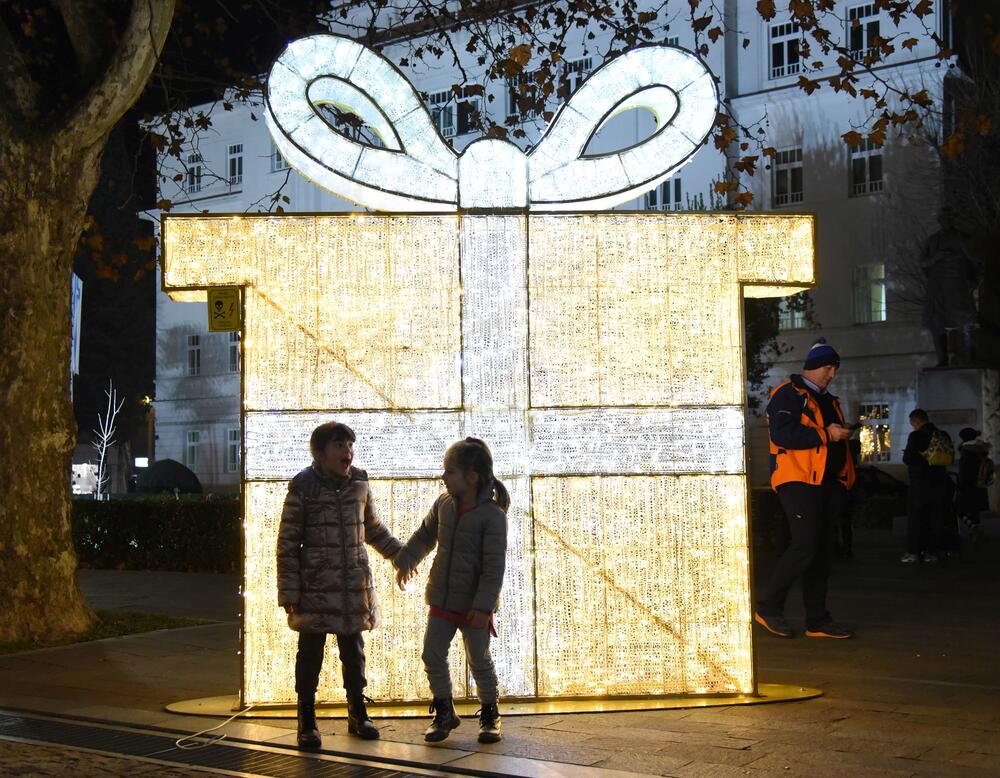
<point x="473" y="454"/>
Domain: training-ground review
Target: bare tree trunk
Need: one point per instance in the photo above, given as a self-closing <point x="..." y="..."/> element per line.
<point x="43" y="202"/>
<point x="49" y="166"/>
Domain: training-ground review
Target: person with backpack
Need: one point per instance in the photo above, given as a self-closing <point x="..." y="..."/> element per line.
<point x="975" y="474"/>
<point x="929" y="451"/>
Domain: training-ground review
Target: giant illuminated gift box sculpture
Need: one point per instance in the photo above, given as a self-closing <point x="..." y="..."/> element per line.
<point x="599" y="354"/>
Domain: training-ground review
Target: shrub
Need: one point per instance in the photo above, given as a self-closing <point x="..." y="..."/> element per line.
<point x="158" y="533"/>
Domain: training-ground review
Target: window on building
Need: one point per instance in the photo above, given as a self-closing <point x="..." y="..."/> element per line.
<point x="785" y="49"/>
<point x="350" y="125"/>
<point x="234" y="352"/>
<point x="869" y="293"/>
<point x="233" y="451"/>
<point x="194" y="355"/>
<point x="875" y="435"/>
<point x="452" y="115"/>
<point x="234" y="163"/>
<point x="862" y="30"/>
<point x="666" y="197"/>
<point x="278" y="162"/>
<point x="788" y="176"/>
<point x="792" y="312"/>
<point x="576" y="71"/>
<point x="522" y="94"/>
<point x="191" y="449"/>
<point x="194" y="163"/>
<point x="866" y="167"/>
<point x="673" y="40"/>
<point x="443" y="112"/>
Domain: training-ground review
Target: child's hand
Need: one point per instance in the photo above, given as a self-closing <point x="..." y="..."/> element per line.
<point x="478" y="619"/>
<point x="290" y="609"/>
<point x="403" y="577"/>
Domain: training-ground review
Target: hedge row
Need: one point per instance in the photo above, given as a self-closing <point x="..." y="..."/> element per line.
<point x="203" y="535"/>
<point x="200" y="536"/>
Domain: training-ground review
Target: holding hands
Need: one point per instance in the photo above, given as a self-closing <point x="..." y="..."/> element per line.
<point x="403" y="577"/>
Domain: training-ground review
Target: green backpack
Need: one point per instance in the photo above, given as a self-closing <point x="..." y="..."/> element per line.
<point x="940" y="452"/>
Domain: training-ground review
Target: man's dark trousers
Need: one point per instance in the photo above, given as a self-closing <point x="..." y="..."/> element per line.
<point x="813" y="513"/>
<point x="926" y="506"/>
<point x="309" y="661"/>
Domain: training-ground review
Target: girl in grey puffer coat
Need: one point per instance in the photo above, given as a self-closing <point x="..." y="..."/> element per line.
<point x="468" y="524"/>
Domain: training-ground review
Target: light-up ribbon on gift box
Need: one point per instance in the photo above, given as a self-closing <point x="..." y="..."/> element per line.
<point x="417" y="171"/>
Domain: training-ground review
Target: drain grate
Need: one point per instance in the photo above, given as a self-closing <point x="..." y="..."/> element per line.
<point x="238" y="758"/>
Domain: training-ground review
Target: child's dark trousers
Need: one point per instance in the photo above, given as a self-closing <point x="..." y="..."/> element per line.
<point x="309" y="661"/>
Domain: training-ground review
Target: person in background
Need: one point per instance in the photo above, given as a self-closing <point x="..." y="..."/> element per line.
<point x="927" y="494"/>
<point x="973" y="479"/>
<point x="812" y="472"/>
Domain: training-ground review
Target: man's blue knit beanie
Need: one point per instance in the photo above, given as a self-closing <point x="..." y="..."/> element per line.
<point x="821" y="355"/>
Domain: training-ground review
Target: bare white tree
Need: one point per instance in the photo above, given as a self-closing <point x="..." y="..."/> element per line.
<point x="104" y="436"/>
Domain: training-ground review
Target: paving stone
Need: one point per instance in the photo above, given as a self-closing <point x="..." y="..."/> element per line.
<point x="711" y="770"/>
<point x="651" y="763"/>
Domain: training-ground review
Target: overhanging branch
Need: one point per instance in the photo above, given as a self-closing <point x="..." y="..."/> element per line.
<point x="125" y="76"/>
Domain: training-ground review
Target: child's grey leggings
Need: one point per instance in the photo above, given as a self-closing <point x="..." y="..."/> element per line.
<point x="437" y="641"/>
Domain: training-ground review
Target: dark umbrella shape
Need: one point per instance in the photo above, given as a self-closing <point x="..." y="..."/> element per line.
<point x="166" y="475"/>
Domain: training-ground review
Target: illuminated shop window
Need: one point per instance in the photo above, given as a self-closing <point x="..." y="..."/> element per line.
<point x="875" y="433"/>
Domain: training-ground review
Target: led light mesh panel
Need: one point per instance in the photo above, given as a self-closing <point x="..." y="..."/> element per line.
<point x="642" y="585"/>
<point x="659" y="296"/>
<point x="347" y="311"/>
<point x="622" y="445"/>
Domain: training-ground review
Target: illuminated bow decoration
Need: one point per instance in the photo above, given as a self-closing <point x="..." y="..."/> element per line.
<point x="415" y="170"/>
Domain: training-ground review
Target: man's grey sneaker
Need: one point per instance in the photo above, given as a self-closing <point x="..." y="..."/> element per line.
<point x="909" y="558"/>
<point x="929" y="557"/>
<point x="830" y="630"/>
<point x="776" y="625"/>
<point x="490" y="729"/>
<point x="445" y="719"/>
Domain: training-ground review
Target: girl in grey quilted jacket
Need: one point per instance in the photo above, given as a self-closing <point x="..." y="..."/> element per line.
<point x="468" y="524"/>
<point x="324" y="580"/>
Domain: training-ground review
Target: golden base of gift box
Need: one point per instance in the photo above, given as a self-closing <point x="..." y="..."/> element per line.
<point x="768" y="692"/>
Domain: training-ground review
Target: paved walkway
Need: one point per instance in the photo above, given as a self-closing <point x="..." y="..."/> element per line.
<point x="916" y="694"/>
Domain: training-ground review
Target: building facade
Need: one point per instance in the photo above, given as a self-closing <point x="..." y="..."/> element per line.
<point x="875" y="206"/>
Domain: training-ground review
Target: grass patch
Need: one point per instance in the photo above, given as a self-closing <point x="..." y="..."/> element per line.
<point x="111" y="623"/>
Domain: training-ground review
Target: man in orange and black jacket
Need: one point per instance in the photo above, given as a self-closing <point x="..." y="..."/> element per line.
<point x="812" y="471"/>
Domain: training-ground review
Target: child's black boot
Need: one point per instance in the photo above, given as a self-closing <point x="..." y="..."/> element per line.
<point x="490" y="728"/>
<point x="445" y="719"/>
<point x="308" y="731"/>
<point x="358" y="721"/>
